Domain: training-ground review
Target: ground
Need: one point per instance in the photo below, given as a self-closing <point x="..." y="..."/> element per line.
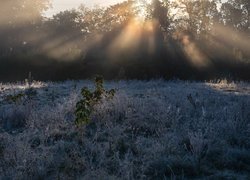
<point x="150" y="130"/>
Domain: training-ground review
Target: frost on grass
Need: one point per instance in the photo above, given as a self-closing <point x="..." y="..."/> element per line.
<point x="149" y="130"/>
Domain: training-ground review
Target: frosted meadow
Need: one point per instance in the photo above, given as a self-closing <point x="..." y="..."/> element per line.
<point x="153" y="129"/>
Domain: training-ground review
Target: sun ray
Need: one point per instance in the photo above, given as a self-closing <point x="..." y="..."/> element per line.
<point x="136" y="35"/>
<point x="196" y="57"/>
<point x="128" y="40"/>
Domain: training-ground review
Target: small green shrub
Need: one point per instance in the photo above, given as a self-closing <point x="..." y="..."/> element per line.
<point x="85" y="106"/>
<point x="21" y="98"/>
<point x="16" y="98"/>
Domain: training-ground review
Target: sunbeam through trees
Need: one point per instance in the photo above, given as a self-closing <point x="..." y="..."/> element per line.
<point x="186" y="39"/>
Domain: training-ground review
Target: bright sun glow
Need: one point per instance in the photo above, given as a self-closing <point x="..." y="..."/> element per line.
<point x="130" y="39"/>
<point x="141" y="8"/>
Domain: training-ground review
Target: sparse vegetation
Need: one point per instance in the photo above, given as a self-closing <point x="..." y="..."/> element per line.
<point x="16" y="98"/>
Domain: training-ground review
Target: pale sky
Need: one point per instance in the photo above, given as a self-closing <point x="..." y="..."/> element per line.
<point x="61" y="5"/>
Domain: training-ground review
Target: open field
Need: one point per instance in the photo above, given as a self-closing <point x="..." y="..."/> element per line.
<point x="150" y="130"/>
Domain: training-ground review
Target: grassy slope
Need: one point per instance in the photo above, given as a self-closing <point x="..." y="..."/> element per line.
<point x="150" y="130"/>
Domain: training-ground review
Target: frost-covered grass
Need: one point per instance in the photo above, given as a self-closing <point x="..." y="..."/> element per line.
<point x="150" y="130"/>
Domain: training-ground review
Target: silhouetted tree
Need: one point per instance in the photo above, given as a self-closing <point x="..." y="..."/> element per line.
<point x="197" y="16"/>
<point x="236" y="14"/>
<point x="19" y="20"/>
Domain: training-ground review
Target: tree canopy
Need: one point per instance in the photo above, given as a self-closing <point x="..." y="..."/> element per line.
<point x="163" y="38"/>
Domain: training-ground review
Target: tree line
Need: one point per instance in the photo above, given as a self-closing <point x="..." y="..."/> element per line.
<point x="186" y="39"/>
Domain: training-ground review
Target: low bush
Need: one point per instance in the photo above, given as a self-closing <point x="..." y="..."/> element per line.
<point x="85" y="106"/>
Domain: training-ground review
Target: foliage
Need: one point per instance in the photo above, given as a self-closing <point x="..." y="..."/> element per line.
<point x="16" y="98"/>
<point x="212" y="30"/>
<point x="21" y="97"/>
<point x="85" y="106"/>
